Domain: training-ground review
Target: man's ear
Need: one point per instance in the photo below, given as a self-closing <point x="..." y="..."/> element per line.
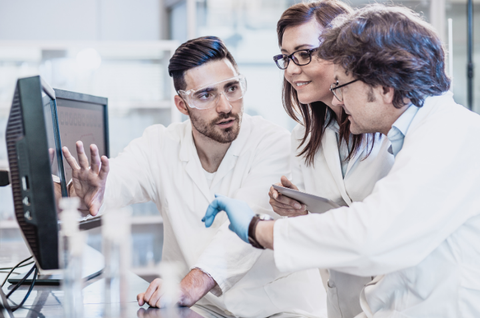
<point x="387" y="94"/>
<point x="181" y="106"/>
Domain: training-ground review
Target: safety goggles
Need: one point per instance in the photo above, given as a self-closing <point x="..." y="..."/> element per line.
<point x="206" y="97"/>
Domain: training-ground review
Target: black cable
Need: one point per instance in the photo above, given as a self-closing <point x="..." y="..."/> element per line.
<point x="34" y="267"/>
<point x="3" y="272"/>
<point x="8" y="268"/>
<point x="14" y="267"/>
<point x="29" y="290"/>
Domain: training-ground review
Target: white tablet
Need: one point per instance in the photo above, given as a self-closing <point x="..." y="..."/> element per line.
<point x="315" y="204"/>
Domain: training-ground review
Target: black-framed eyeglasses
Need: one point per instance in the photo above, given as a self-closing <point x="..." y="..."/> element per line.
<point x="300" y="58"/>
<point x="338" y="93"/>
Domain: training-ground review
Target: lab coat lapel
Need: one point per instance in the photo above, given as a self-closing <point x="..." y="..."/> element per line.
<point x="332" y="157"/>
<point x="354" y="160"/>
<point x="238" y="145"/>
<point x="193" y="167"/>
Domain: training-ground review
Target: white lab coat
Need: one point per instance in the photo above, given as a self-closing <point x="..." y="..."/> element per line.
<point x="420" y="227"/>
<point x="163" y="166"/>
<point x="325" y="179"/>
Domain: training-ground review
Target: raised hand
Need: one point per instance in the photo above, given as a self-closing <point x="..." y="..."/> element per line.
<point x="283" y="205"/>
<point x="88" y="181"/>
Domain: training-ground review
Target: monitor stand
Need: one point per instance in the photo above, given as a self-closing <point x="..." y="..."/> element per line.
<point x="93" y="264"/>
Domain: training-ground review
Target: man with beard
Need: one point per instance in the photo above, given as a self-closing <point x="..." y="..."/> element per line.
<point x="219" y="150"/>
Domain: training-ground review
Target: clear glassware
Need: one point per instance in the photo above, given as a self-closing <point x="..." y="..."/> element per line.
<point x="71" y="257"/>
<point x="116" y="245"/>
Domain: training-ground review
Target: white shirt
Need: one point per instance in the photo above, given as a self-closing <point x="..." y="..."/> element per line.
<point x="163" y="166"/>
<point x="419" y="227"/>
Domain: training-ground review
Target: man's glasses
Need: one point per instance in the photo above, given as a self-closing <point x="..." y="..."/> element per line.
<point x="337" y="89"/>
<point x="300" y="58"/>
<point x="205" y="97"/>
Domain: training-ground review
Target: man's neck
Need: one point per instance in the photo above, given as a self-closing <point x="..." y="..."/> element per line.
<point x="391" y="118"/>
<point x="209" y="151"/>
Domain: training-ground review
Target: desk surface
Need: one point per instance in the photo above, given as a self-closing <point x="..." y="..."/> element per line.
<point x="46" y="301"/>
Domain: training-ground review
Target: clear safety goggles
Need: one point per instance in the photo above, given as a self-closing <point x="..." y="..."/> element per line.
<point x="206" y="97"/>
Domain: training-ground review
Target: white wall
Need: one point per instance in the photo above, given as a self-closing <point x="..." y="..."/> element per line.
<point x="79" y="20"/>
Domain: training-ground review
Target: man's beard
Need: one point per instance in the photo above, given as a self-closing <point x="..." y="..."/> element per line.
<point x="211" y="130"/>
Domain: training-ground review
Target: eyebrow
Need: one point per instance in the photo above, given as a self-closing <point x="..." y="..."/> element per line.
<point x="205" y="90"/>
<point x="299" y="47"/>
<point x="230" y="83"/>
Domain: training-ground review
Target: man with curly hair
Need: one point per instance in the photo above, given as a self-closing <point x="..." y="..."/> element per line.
<point x="419" y="229"/>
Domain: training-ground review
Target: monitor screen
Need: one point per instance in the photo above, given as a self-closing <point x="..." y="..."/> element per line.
<point x="81" y="118"/>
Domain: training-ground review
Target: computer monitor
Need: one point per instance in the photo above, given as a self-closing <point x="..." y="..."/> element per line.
<point x="40" y="122"/>
<point x="82" y="117"/>
<point x="32" y="155"/>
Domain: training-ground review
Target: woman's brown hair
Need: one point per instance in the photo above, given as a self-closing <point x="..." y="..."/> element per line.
<point x="314" y="115"/>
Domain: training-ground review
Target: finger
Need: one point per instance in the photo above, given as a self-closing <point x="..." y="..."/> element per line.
<point x="211" y="213"/>
<point x="70" y="159"/>
<point x="94" y="208"/>
<point x="140" y="299"/>
<point x="151" y="289"/>
<point x="94" y="159"/>
<point x="105" y="168"/>
<point x="273" y="194"/>
<point x="82" y="157"/>
<point x="286" y="183"/>
<point x="156" y="299"/>
<point x="51" y="153"/>
<point x="287" y="210"/>
<point x="289" y="202"/>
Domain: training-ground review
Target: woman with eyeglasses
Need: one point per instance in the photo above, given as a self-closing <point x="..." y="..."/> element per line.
<point x="327" y="159"/>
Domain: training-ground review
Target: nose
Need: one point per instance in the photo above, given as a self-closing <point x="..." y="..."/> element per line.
<point x="223" y="105"/>
<point x="336" y="102"/>
<point x="293" y="69"/>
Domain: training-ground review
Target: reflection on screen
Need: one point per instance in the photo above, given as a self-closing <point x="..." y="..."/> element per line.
<point x="80" y="121"/>
<point x="52" y="149"/>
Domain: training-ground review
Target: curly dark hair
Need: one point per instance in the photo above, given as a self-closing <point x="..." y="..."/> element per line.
<point x="389" y="46"/>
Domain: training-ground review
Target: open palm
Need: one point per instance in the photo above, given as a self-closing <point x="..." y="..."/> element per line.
<point x="88" y="181"/>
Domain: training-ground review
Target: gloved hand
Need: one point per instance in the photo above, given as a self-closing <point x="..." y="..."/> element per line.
<point x="238" y="212"/>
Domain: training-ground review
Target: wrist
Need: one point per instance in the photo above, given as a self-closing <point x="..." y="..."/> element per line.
<point x="264" y="233"/>
<point x="252" y="229"/>
<point x="194" y="286"/>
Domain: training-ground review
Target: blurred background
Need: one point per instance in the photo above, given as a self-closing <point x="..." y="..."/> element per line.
<point x="120" y="49"/>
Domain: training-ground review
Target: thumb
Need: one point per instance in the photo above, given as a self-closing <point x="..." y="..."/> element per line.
<point x="286" y="183"/>
<point x="211" y="213"/>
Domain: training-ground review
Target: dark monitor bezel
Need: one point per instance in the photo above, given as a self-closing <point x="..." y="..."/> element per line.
<point x="27" y="147"/>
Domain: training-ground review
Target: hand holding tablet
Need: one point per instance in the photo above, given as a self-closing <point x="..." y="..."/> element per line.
<point x="315" y="204"/>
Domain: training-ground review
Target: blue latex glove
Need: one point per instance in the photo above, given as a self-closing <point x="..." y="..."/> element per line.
<point x="238" y="212"/>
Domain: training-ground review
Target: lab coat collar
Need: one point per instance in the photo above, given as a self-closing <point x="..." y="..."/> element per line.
<point x="188" y="153"/>
<point x="332" y="157"/>
<point x="334" y="126"/>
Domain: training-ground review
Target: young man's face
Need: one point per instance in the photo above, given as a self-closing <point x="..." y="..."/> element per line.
<point x="364" y="105"/>
<point x="222" y="121"/>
